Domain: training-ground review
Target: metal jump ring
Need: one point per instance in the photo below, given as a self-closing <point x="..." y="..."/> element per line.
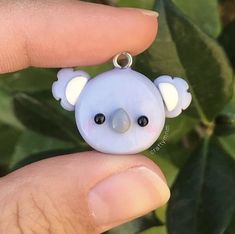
<point x="128" y="57"/>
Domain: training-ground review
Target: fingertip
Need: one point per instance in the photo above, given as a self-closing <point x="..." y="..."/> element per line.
<point x="140" y="28"/>
<point x="142" y="190"/>
<point x="72" y="33"/>
<point x="104" y="190"/>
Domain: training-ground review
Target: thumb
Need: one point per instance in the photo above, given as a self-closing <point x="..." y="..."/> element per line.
<point x="80" y="193"/>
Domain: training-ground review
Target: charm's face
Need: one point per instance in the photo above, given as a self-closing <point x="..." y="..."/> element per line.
<point x="120" y="112"/>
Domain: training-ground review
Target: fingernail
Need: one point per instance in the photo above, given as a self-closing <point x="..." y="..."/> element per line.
<point x="150" y="13"/>
<point x="145" y="11"/>
<point x="126" y="195"/>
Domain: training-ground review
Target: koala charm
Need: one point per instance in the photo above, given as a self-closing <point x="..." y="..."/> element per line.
<point x="120" y="111"/>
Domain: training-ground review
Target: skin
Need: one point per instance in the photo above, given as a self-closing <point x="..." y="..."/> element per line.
<point x="77" y="193"/>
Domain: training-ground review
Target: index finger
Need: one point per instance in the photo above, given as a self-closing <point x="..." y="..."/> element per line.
<point x="69" y="33"/>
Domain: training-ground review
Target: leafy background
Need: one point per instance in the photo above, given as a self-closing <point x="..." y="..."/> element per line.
<point x="196" y="151"/>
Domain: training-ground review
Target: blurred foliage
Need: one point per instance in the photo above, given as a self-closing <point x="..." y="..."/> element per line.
<point x="196" y="151"/>
<point x="182" y="49"/>
<point x="204" y="192"/>
<point x="227" y="11"/>
<point x="139" y="4"/>
<point x="227" y="39"/>
<point x="203" y="13"/>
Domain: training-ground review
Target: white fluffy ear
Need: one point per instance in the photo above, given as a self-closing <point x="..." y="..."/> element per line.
<point x="174" y="93"/>
<point x="69" y="87"/>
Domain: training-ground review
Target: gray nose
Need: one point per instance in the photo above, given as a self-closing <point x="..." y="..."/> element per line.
<point x="120" y="121"/>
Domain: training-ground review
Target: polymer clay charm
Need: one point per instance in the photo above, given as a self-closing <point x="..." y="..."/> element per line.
<point x="120" y="111"/>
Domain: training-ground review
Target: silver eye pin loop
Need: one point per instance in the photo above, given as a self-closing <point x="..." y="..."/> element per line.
<point x="122" y="60"/>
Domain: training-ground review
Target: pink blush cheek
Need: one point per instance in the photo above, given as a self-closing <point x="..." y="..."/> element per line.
<point x="88" y="126"/>
<point x="151" y="128"/>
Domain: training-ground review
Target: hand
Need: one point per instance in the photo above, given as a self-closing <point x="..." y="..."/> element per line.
<point x="87" y="192"/>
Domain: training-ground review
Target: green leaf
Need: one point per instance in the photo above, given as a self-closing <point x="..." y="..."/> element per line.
<point x="179" y="153"/>
<point x="137" y="225"/>
<point x="182" y="49"/>
<point x="7" y="110"/>
<point x="41" y="116"/>
<point x="146" y="4"/>
<point x="203" y="195"/>
<point x="225" y="122"/>
<point x="179" y="127"/>
<point x="226" y="39"/>
<point x="8" y="138"/>
<point x="229" y="109"/>
<point x="161" y="213"/>
<point x="28" y="80"/>
<point x="175" y="153"/>
<point x="228" y="143"/>
<point x="231" y="228"/>
<point x="96" y="70"/>
<point x="155" y="230"/>
<point x="168" y="168"/>
<point x="203" y="13"/>
<point x="31" y="143"/>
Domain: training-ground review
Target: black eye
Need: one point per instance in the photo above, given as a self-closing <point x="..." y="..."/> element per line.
<point x="99" y="118"/>
<point x="143" y="121"/>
